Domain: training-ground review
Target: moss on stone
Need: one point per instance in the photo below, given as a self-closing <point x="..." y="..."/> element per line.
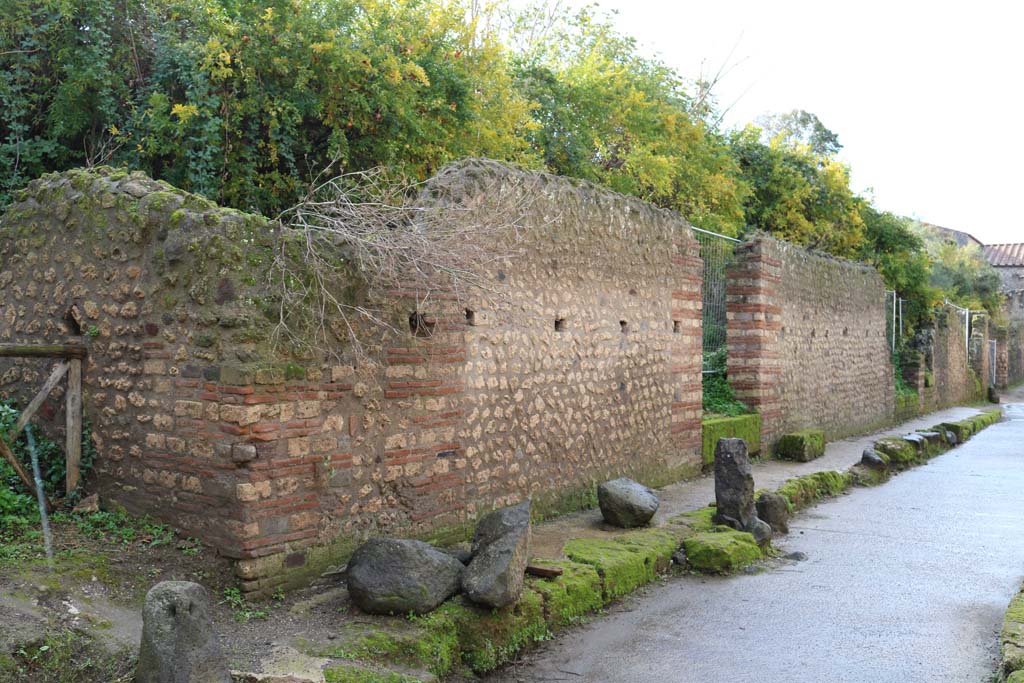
<point x="802" y="446"/>
<point x="350" y="673"/>
<point x="1015" y="677"/>
<point x="721" y="551"/>
<point x="802" y="491"/>
<point x="901" y="454"/>
<point x="698" y="520"/>
<point x="746" y="427"/>
<point x="422" y="644"/>
<point x="489" y="638"/>
<point x="569" y="597"/>
<point x="627" y="561"/>
<point x="866" y="476"/>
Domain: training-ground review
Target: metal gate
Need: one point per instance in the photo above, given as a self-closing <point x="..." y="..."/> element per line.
<point x="717" y="252"/>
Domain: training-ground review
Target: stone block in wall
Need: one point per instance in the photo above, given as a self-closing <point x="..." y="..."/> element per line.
<point x="802" y="446"/>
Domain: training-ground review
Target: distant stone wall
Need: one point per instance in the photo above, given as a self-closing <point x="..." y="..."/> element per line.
<point x="1014" y="373"/>
<point x="806" y="340"/>
<point x="955" y="382"/>
<point x="1012" y="277"/>
<point x="580" y="362"/>
<point x="979" y="351"/>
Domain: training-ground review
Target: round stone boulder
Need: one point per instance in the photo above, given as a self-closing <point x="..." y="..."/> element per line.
<point x="399" y="576"/>
<point x="626" y="503"/>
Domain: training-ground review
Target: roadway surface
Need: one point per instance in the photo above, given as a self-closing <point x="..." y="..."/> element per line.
<point x="906" y="582"/>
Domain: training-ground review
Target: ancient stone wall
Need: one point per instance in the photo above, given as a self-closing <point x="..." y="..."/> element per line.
<point x="806" y="338"/>
<point x="1014" y="368"/>
<point x="979" y="353"/>
<point x="953" y="380"/>
<point x="580" y="361"/>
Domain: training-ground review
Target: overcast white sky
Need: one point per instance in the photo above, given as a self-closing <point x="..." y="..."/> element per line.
<point x="926" y="97"/>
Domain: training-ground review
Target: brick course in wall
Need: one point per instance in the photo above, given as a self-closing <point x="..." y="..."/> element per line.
<point x="806" y="340"/>
<point x="282" y="461"/>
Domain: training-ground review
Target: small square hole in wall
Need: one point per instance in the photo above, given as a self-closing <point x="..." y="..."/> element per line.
<point x="559" y="324"/>
<point x="623" y="326"/>
<point x="677" y="327"/>
<point x="470" y="317"/>
<point x="420" y="326"/>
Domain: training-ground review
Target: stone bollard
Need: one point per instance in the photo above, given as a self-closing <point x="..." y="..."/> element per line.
<point x="734" y="490"/>
<point x="178" y="642"/>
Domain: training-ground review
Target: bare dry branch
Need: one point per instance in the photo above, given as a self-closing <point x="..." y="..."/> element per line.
<point x="425" y="240"/>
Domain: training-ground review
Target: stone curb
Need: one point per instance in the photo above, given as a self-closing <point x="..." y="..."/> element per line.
<point x="1011" y="641"/>
<point x="600" y="571"/>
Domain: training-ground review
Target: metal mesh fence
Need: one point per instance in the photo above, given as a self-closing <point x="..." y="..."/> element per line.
<point x="717" y="252"/>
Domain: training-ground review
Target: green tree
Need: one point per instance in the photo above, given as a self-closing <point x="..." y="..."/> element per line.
<point x="607" y="114"/>
<point x="898" y="253"/>
<point x="797" y="195"/>
<point x="800" y="128"/>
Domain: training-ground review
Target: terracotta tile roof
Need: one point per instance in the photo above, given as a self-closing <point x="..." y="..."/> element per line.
<point x="1005" y="254"/>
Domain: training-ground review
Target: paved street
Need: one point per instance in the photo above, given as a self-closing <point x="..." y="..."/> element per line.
<point x="905" y="582"/>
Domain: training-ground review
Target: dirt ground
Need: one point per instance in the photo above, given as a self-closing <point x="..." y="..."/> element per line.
<point x="104" y="565"/>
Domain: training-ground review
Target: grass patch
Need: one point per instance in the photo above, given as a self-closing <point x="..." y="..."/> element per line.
<point x="719" y="398"/>
<point x="68" y="656"/>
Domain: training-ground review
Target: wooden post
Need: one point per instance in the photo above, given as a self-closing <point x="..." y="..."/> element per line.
<point x="74" y="423"/>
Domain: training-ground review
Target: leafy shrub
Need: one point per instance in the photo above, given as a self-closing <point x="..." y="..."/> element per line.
<point x="719" y="397"/>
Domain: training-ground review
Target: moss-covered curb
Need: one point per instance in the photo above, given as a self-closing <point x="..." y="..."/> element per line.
<point x="1011" y="639"/>
<point x="746" y="427"/>
<point x="459" y="635"/>
<point x="898" y="454"/>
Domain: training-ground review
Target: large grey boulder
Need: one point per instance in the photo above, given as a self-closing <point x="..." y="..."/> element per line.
<point x="626" y="503"/>
<point x="734" y="490"/>
<point x="398" y="576"/>
<point x="178" y="642"/>
<point x="772" y="508"/>
<point x="501" y="546"/>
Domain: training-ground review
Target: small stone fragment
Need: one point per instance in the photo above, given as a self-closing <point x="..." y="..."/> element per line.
<point x="178" y="642"/>
<point x="626" y="503"/>
<point x="796" y="556"/>
<point x="88" y="504"/>
<point x="872" y="460"/>
<point x="761" y="532"/>
<point x="772" y="508"/>
<point x="398" y="576"/>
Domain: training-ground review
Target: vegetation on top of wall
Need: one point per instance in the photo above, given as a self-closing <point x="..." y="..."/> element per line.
<point x="253" y="103"/>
